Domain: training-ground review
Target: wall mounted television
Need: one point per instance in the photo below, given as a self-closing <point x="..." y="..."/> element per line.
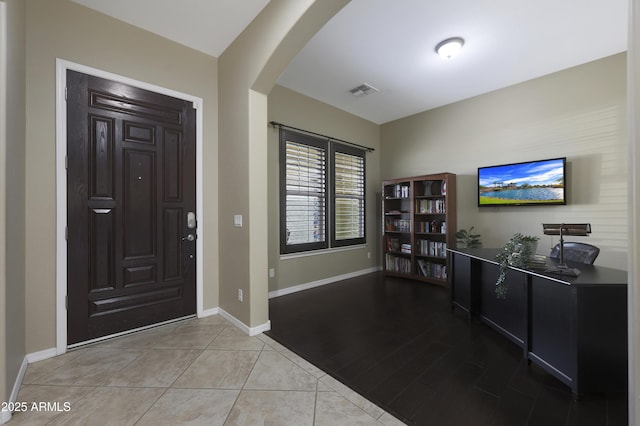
<point x="531" y="183"/>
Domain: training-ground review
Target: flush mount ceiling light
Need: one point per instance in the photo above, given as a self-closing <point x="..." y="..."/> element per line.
<point x="449" y="47"/>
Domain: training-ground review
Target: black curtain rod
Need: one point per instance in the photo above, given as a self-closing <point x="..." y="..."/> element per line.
<point x="276" y="124"/>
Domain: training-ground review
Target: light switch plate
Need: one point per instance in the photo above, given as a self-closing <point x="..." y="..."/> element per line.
<point x="237" y="220"/>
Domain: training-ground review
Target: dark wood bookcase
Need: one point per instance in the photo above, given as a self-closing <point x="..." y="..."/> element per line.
<point x="418" y="225"/>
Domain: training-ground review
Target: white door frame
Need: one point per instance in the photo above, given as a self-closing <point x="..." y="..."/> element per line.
<point x="61" y="185"/>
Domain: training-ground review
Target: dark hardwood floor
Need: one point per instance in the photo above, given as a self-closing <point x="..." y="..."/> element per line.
<point x="398" y="343"/>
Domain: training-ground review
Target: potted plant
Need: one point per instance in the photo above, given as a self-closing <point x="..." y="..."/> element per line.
<point x="468" y="238"/>
<point x="517" y="252"/>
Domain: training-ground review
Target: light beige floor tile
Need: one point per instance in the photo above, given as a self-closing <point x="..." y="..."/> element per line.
<point x="110" y="406"/>
<point x="361" y="402"/>
<point x="275" y="372"/>
<point x="322" y="387"/>
<point x="303" y="363"/>
<point x="207" y="407"/>
<point x="218" y="370"/>
<point x="213" y="329"/>
<point x="155" y="368"/>
<point x="238" y="379"/>
<point x="205" y="323"/>
<point x="270" y="343"/>
<point x="190" y="339"/>
<point x="140" y="340"/>
<point x="59" y="398"/>
<point x="36" y="370"/>
<point x="92" y="368"/>
<point x="232" y="338"/>
<point x="281" y="408"/>
<point x="388" y="420"/>
<point x="333" y="409"/>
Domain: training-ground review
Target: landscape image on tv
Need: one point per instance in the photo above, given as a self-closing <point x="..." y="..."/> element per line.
<point x="530" y="183"/>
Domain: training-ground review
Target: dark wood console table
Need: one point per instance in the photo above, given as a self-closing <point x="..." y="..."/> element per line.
<point x="575" y="328"/>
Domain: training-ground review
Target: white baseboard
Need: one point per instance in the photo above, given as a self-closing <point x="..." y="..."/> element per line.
<point x="209" y="312"/>
<point x="40" y="355"/>
<point x="325" y="281"/>
<point x="251" y="331"/>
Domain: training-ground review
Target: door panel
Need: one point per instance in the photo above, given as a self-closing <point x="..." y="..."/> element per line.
<point x="130" y="184"/>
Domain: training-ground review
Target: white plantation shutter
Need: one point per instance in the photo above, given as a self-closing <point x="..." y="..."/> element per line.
<point x="306" y="201"/>
<point x="349" y="196"/>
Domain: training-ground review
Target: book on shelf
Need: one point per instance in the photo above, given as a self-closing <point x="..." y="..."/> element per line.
<point x="432" y="248"/>
<point x="398" y="225"/>
<point x="432" y="270"/>
<point x="397" y="264"/>
<point x="433" y="227"/>
<point x="422" y="266"/>
<point x="399" y="191"/>
<point x="437" y="206"/>
<point x="405" y="248"/>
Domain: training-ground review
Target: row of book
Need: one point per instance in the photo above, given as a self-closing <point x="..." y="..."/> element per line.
<point x="399" y="225"/>
<point x="397" y="264"/>
<point x="432" y="270"/>
<point x="433" y="227"/>
<point x="432" y="248"/>
<point x="431" y="206"/>
<point x="399" y="191"/>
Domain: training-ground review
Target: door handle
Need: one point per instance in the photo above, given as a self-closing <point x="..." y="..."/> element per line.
<point x="190" y="237"/>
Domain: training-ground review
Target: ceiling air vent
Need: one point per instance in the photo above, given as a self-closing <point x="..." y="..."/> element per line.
<point x="363" y="89"/>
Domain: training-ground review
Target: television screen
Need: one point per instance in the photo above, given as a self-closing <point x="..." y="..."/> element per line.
<point x="523" y="184"/>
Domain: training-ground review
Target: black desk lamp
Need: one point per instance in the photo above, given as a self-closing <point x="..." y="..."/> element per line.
<point x="562" y="229"/>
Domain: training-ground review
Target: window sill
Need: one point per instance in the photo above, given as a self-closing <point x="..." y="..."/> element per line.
<point x="321" y="252"/>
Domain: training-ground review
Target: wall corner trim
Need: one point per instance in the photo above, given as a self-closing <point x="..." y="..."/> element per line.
<point x="251" y="331"/>
<point x="5" y="415"/>
<point x="209" y="312"/>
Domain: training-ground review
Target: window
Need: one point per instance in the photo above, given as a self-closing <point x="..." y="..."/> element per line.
<point x="348" y="191"/>
<point x="322" y="193"/>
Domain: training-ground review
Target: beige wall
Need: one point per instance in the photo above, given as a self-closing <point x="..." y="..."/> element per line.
<point x="14" y="173"/>
<point x="579" y="113"/>
<point x="248" y="70"/>
<point x="294" y="109"/>
<point x="62" y="29"/>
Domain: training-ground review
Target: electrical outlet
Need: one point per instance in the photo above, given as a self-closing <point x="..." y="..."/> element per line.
<point x="272" y="272"/>
<point x="368" y="255"/>
<point x="239" y="295"/>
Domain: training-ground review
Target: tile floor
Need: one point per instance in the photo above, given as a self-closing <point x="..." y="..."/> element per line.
<point x="200" y="371"/>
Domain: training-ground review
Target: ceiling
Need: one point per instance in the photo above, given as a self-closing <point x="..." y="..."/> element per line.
<point x="390" y="45"/>
<point x="205" y="25"/>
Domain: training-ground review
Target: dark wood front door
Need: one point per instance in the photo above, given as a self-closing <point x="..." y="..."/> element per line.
<point x="130" y="190"/>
